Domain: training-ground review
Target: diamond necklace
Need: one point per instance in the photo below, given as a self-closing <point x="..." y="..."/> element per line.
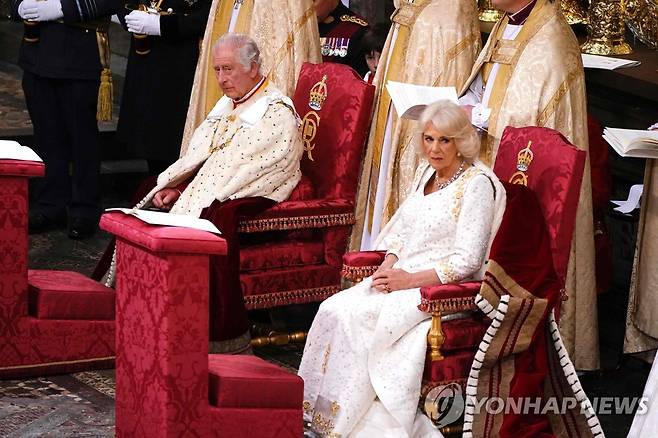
<point x="454" y="176"/>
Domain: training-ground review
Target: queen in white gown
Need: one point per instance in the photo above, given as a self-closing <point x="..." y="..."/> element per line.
<point x="364" y="357"/>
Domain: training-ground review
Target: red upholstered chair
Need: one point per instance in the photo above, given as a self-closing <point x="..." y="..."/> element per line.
<point x="297" y="255"/>
<point x="555" y="174"/>
<point x="50" y="321"/>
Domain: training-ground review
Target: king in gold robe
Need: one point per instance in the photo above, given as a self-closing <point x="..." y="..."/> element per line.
<point x="286" y="32"/>
<point x="431" y="42"/>
<point x="530" y="74"/>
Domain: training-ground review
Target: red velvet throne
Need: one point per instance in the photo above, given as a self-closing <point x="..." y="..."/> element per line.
<point x="292" y="253"/>
<point x="50" y="321"/>
<point x="554" y="173"/>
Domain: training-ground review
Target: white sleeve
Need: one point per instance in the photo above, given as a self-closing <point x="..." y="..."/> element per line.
<point x="473" y="96"/>
<point x="473" y="230"/>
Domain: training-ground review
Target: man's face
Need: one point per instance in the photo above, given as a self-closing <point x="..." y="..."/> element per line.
<point x="231" y="76"/>
<point x="509" y="6"/>
<point x="324" y="7"/>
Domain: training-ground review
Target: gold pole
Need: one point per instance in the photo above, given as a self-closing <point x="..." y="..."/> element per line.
<point x="435" y="337"/>
<point x="606" y="28"/>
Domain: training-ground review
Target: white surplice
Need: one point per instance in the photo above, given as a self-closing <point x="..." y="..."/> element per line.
<point x="364" y="357"/>
<point x="646" y="424"/>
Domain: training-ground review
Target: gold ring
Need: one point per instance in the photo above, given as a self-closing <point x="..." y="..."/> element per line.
<point x="387" y="288"/>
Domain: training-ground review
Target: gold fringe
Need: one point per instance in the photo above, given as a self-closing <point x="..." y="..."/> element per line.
<point x="357" y="273"/>
<point x="449" y="305"/>
<point x="298" y="296"/>
<point x="106" y="88"/>
<point x="296" y="223"/>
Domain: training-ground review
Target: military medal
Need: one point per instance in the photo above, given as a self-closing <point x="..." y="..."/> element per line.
<point x="324" y="47"/>
<point x="344" y="42"/>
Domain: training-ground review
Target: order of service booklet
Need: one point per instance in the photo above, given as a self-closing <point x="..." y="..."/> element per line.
<point x="632" y="142"/>
<point x="410" y="100"/>
<point x="169" y="219"/>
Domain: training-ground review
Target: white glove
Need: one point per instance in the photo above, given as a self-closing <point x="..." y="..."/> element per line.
<point x="40" y="10"/>
<point x="143" y="22"/>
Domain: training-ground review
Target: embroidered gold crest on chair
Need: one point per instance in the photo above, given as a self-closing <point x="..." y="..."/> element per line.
<point x="523" y="161"/>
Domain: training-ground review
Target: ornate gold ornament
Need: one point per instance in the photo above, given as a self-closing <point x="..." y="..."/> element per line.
<point x="605" y="28"/>
<point x="310" y="124"/>
<point x="487" y="12"/>
<point x="642" y="19"/>
<point x="353" y="19"/>
<point x="318" y="94"/>
<point x="523" y="161"/>
<point x="575" y="11"/>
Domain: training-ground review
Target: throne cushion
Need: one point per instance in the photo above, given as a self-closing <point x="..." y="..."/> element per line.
<point x="242" y="381"/>
<point x="68" y="295"/>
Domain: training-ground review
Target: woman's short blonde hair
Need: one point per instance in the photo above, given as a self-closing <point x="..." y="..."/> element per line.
<point x="452" y="121"/>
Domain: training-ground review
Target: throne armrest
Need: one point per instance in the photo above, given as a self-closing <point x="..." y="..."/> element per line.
<point x="295" y="215"/>
<point x="450" y="298"/>
<point x="358" y="265"/>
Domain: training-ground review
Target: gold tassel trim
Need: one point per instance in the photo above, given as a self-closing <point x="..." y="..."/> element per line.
<point x="296" y="223"/>
<point x="357" y="273"/>
<point x="298" y="296"/>
<point x="448" y="305"/>
<point x="106" y="88"/>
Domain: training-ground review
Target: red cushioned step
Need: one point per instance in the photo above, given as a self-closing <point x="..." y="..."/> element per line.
<point x="68" y="295"/>
<point x="242" y="381"/>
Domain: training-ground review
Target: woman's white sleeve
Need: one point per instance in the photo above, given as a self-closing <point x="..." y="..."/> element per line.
<point x="473" y="230"/>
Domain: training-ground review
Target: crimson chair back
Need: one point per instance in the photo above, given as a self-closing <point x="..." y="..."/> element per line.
<point x="545" y="161"/>
<point x="331" y="99"/>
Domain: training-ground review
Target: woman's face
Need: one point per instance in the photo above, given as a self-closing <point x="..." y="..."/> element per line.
<point x="372" y="59"/>
<point x="441" y="151"/>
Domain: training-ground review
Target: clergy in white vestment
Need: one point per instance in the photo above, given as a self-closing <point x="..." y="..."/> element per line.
<point x="530" y="73"/>
<point x="247" y="148"/>
<point x="364" y="355"/>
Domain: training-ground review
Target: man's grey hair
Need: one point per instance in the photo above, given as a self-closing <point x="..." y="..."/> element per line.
<point x="245" y="47"/>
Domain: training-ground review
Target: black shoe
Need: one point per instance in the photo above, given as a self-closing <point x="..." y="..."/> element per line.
<point x="81" y="228"/>
<point x="40" y="223"/>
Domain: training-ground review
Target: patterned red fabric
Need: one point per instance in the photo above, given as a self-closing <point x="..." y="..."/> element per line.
<point x="293" y="283"/>
<point x="555" y="175"/>
<point x="31" y="346"/>
<point x="21" y="168"/>
<point x="243" y="381"/>
<point x="464" y="333"/>
<point x="342" y="129"/>
<point x="256" y="423"/>
<point x="162" y="239"/>
<point x="68" y="295"/>
<point x="308" y="207"/>
<point x="443" y="291"/>
<point x="285" y="254"/>
<point x="303" y="190"/>
<point x="162" y="342"/>
<point x="454" y="366"/>
<point x="363" y="258"/>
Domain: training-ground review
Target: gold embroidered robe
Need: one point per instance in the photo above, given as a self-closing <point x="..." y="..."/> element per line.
<point x="541" y="82"/>
<point x="642" y="315"/>
<point x="286" y="32"/>
<point x="431" y="42"/>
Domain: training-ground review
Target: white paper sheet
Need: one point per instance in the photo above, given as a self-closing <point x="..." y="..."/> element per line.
<point x="410" y="100"/>
<point x="606" y="62"/>
<point x="169" y="219"/>
<point x="633" y="201"/>
<point x="12" y="150"/>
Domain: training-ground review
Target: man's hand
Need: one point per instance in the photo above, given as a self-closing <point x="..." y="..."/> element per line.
<point x="389" y="280"/>
<point x="40" y="10"/>
<point x="165" y="198"/>
<point x="144" y="23"/>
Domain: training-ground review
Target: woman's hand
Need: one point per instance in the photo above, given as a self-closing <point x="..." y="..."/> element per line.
<point x="165" y="198"/>
<point x="389" y="280"/>
<point x="388" y="262"/>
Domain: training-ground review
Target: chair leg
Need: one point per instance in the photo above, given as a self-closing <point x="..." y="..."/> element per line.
<point x="435" y="337"/>
<point x="278" y="338"/>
